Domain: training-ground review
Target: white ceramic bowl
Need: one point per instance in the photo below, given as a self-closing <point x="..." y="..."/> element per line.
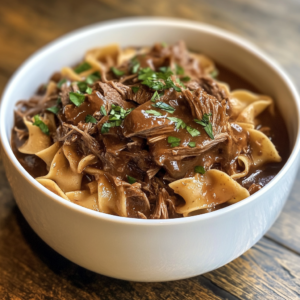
<point x="150" y="250"/>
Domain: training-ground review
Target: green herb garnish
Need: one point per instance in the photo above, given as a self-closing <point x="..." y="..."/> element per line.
<point x="164" y="106"/>
<point x="153" y="112"/>
<point x="214" y="73"/>
<point x="185" y="78"/>
<point x="117" y="72"/>
<point x="53" y="109"/>
<point x="199" y="169"/>
<point x="92" y="78"/>
<point x="61" y="82"/>
<point x="164" y="44"/>
<point x="83" y="67"/>
<point x="192" y="144"/>
<point x="135" y="89"/>
<point x="58" y="101"/>
<point x="39" y="123"/>
<point x="131" y="180"/>
<point x="174" y="141"/>
<point x="76" y="98"/>
<point x="89" y="90"/>
<point x="103" y="110"/>
<point x="206" y="124"/>
<point x="179" y="70"/>
<point x="135" y="65"/>
<point x="82" y="86"/>
<point x="179" y="122"/>
<point x="155" y="96"/>
<point x="90" y="119"/>
<point x="192" y="131"/>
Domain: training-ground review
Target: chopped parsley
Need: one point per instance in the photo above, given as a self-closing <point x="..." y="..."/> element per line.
<point x="153" y="112"/>
<point x="164" y="106"/>
<point x="192" y="144"/>
<point x="103" y="110"/>
<point x="135" y="89"/>
<point x="90" y="119"/>
<point x="206" y="124"/>
<point x="92" y="78"/>
<point x="39" y="123"/>
<point x="155" y="96"/>
<point x="82" y="86"/>
<point x="185" y="78"/>
<point x="53" y="109"/>
<point x="157" y="80"/>
<point x="58" y="101"/>
<point x="199" y="169"/>
<point x="174" y="141"/>
<point x="76" y="98"/>
<point x="214" y="73"/>
<point x="179" y="70"/>
<point x="61" y="82"/>
<point x="117" y="115"/>
<point x="135" y="65"/>
<point x="131" y="180"/>
<point x="164" y="44"/>
<point x="117" y="72"/>
<point x="83" y="67"/>
<point x="179" y="122"/>
<point x="89" y="90"/>
<point x="192" y="131"/>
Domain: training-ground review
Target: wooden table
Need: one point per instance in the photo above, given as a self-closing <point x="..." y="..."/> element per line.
<point x="29" y="269"/>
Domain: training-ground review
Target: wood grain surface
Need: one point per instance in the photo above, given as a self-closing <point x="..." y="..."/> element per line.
<point x="29" y="269"/>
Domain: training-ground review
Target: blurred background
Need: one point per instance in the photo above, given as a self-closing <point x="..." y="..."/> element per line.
<point x="25" y="26"/>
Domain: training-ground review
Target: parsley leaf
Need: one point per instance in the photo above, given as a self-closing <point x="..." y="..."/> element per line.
<point x="206" y="124"/>
<point x="135" y="65"/>
<point x="192" y="131"/>
<point x="192" y="144"/>
<point x="174" y="141"/>
<point x="92" y="78"/>
<point x="103" y="110"/>
<point x="135" y="89"/>
<point x="53" y="109"/>
<point x="199" y="169"/>
<point x="179" y="70"/>
<point x="90" y="119"/>
<point x="39" y="123"/>
<point x="185" y="78"/>
<point x="214" y="73"/>
<point x="76" y="98"/>
<point x="164" y="106"/>
<point x="117" y="72"/>
<point x="155" y="96"/>
<point x="164" y="44"/>
<point x="153" y="112"/>
<point x="89" y="90"/>
<point x="83" y="67"/>
<point x="131" y="180"/>
<point x="58" y="101"/>
<point x="61" y="82"/>
<point x="179" y="122"/>
<point x="82" y="86"/>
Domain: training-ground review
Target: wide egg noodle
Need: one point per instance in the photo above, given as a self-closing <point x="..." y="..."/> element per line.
<point x="207" y="65"/>
<point x="52" y="186"/>
<point x="207" y="190"/>
<point x="84" y="198"/>
<point x="245" y="162"/>
<point x="90" y="159"/>
<point x="37" y="140"/>
<point x="103" y="58"/>
<point x="61" y="173"/>
<point x="263" y="150"/>
<point x="246" y="106"/>
<point x="72" y="156"/>
<point x="48" y="154"/>
<point x="111" y="198"/>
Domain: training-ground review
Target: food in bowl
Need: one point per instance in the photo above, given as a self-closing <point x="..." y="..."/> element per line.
<point x="155" y="133"/>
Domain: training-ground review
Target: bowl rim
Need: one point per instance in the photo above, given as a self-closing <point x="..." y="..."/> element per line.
<point x="145" y="21"/>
